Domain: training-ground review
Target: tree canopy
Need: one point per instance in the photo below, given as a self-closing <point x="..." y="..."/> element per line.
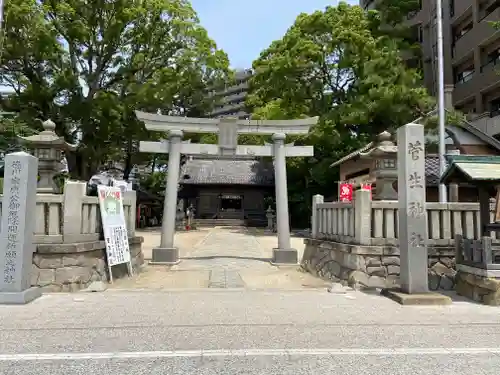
<point x="87" y="65"/>
<point x="336" y="65"/>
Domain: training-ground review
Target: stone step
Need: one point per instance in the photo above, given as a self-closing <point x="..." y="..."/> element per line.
<point x="219" y="222"/>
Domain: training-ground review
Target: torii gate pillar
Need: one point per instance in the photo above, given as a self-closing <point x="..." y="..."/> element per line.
<point x="167" y="253"/>
<point x="283" y="254"/>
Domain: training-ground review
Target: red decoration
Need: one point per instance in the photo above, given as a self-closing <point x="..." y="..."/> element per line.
<point x="367" y="187"/>
<point x="103" y="194"/>
<point x="117" y="195"/>
<point x="345" y="192"/>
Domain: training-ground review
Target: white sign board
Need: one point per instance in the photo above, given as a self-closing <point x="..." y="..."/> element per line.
<point x="123" y="185"/>
<point x="113" y="223"/>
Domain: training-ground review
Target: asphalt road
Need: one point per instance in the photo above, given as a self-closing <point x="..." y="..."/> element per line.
<point x="245" y="332"/>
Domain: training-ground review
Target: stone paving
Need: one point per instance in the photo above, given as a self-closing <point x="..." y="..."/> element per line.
<point x="221" y="257"/>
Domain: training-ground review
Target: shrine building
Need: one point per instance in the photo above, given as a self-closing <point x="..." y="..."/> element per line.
<point x="230" y="189"/>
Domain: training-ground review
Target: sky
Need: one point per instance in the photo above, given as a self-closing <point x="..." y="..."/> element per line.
<point x="244" y="28"/>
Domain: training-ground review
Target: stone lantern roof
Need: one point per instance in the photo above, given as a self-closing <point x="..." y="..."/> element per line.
<point x="384" y="146"/>
<point x="48" y="139"/>
<point x="48" y="147"/>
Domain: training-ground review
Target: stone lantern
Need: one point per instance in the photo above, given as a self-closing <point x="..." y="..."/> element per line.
<point x="270" y="218"/>
<point x="48" y="148"/>
<point x="385" y="172"/>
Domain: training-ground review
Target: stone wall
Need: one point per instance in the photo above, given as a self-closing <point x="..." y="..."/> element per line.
<point x="478" y="288"/>
<point x="71" y="267"/>
<point x="372" y="266"/>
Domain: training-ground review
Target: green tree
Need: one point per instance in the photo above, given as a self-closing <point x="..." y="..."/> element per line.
<point x="333" y="65"/>
<point x="395" y="12"/>
<point x="10" y="130"/>
<point x="154" y="182"/>
<point x="88" y="65"/>
<point x="392" y="19"/>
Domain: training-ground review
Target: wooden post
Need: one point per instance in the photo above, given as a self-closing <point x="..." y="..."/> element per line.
<point x="459" y="258"/>
<point x="487" y="253"/>
<point x="484" y="210"/>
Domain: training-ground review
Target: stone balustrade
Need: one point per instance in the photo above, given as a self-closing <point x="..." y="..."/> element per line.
<point x="338" y="221"/>
<point x="73" y="216"/>
<point x="70" y="253"/>
<point x="357" y="241"/>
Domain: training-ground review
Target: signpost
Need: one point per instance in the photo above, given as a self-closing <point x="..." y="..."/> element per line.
<point x="114" y="227"/>
<point x="412" y="216"/>
<point x="17" y="229"/>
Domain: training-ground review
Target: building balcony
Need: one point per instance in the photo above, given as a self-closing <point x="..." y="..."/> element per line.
<point x="479" y="35"/>
<point x="416" y="17"/>
<point x="460" y="8"/>
<point x="229" y="90"/>
<point x="488" y="122"/>
<point x="479" y="82"/>
<point x="368" y="4"/>
<point x="239" y="97"/>
<point x="229" y="108"/>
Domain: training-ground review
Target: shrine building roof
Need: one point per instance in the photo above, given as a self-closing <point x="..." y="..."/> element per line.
<point x="472" y="168"/>
<point x="204" y="171"/>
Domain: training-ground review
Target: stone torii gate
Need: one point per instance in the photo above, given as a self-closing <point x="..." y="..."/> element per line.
<point x="227" y="130"/>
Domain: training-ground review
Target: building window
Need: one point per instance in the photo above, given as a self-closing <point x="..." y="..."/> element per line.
<point x="464" y="76"/>
<point x="457" y="34"/>
<point x="434" y="52"/>
<point x="493" y="58"/>
<point x="495" y="107"/>
<point x="452" y="8"/>
<point x="369" y="4"/>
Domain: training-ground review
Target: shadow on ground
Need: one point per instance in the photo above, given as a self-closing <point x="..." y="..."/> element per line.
<point x="211" y="257"/>
<point x="455" y="298"/>
<point x="261" y="232"/>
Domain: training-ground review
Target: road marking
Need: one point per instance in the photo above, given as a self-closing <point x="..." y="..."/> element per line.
<point x="25" y="357"/>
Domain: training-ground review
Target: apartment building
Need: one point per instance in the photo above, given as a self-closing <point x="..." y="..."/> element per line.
<point x="471" y="56"/>
<point x="231" y="99"/>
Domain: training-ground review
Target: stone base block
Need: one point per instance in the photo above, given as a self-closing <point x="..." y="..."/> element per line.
<point x="478" y="285"/>
<point x="20" y="298"/>
<point x="285" y="257"/>
<point x="419" y="299"/>
<point x="165" y="256"/>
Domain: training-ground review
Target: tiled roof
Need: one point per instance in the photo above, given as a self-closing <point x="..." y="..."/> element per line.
<point x="352" y="155"/>
<point x="464" y="124"/>
<point x="432" y="169"/>
<point x="226" y="171"/>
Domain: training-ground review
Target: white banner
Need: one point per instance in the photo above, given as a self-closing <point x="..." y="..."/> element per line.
<point x="113" y="223"/>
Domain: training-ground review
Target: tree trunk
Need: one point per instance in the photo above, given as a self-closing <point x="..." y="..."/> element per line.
<point x="127" y="166"/>
<point x="153" y="165"/>
<point x="80" y="167"/>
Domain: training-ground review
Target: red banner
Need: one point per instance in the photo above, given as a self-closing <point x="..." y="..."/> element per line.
<point x="345" y="192"/>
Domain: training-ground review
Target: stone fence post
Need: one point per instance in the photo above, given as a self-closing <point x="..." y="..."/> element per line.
<point x="74" y="191"/>
<point x="362" y="217"/>
<point x="131" y="196"/>
<point x="317" y="199"/>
